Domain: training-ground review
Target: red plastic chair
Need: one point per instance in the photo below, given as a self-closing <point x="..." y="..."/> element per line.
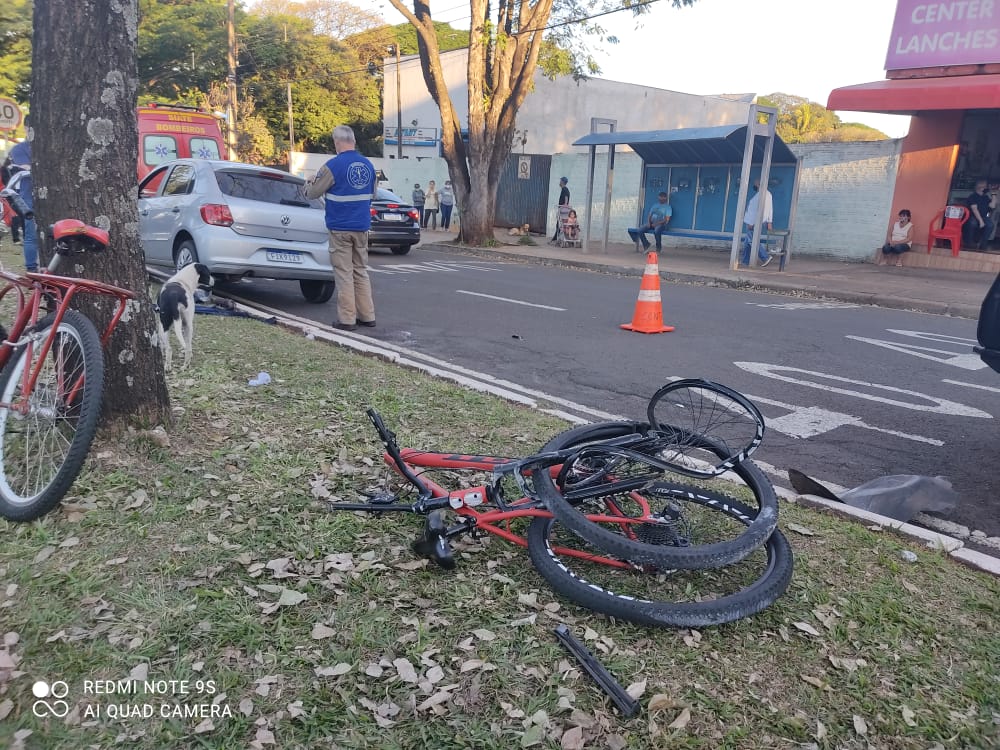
<point x="954" y="217"/>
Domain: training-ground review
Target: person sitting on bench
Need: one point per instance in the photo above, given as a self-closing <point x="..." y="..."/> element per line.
<point x="656" y="222"/>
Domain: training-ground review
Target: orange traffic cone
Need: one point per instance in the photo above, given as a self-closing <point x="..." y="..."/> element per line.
<point x="648" y="317"/>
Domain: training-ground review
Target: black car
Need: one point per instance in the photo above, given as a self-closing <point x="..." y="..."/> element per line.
<point x="395" y="223"/>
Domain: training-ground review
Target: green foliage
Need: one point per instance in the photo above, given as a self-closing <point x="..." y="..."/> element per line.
<point x="15" y="50"/>
<point x="803" y="121"/>
<point x="447" y="37"/>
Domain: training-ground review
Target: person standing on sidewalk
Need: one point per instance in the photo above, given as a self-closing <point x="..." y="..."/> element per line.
<point x="417" y="197"/>
<point x="979" y="225"/>
<point x="347" y="182"/>
<point x="447" y="204"/>
<point x="900" y="238"/>
<point x="563" y="201"/>
<point x="431" y="202"/>
<point x="750" y="221"/>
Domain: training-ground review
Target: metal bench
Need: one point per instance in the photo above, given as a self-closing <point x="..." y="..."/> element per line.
<point x="776" y="239"/>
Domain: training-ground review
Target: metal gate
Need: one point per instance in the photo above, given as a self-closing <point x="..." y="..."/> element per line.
<point x="523" y="193"/>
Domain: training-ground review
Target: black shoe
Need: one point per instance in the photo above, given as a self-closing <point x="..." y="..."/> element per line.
<point x="343" y="326"/>
<point x="367" y="323"/>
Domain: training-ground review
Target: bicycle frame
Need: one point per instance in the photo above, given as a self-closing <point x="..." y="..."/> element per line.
<point x="497" y="517"/>
<point x="32" y="290"/>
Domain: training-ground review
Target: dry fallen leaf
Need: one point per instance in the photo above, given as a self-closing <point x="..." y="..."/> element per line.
<point x="659" y="702"/>
<point x="860" y="725"/>
<point x="334" y="671"/>
<point x="636" y="689"/>
<point x="908" y="716"/>
<point x="682" y="720"/>
<point x="803" y="530"/>
<point x="320" y="631"/>
<point x="805" y="627"/>
<point x="572" y="739"/>
<point x="814" y="681"/>
<point x="405" y="670"/>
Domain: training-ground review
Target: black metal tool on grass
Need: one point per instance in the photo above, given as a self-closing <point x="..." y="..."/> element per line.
<point x="626" y="704"/>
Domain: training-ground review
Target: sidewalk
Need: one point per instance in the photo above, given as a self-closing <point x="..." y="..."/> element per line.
<point x="958" y="293"/>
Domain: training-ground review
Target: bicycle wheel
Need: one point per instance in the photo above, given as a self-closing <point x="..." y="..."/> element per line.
<point x="45" y="434"/>
<point x="645" y="595"/>
<point x="664" y="529"/>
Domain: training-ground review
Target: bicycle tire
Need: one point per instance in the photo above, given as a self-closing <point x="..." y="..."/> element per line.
<point x="759" y="580"/>
<point x="697" y="556"/>
<point x="43" y="450"/>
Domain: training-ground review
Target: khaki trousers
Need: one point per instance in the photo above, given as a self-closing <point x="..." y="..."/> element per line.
<point x="349" y="258"/>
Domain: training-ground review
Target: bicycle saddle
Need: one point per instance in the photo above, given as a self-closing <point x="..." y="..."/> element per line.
<point x="75" y="235"/>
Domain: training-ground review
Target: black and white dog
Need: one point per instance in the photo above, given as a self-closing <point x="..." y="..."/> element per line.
<point x="175" y="305"/>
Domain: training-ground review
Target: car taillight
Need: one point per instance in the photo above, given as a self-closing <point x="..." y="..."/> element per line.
<point x="217" y="214"/>
<point x="374" y="212"/>
<point x="413" y="214"/>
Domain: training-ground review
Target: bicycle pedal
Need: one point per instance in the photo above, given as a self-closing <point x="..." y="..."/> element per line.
<point x="433" y="544"/>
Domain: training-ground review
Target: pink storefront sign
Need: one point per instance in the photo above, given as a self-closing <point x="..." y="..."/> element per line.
<point x="959" y="32"/>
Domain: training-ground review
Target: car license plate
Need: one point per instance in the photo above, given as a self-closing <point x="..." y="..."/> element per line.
<point x="392" y="217"/>
<point x="284" y="256"/>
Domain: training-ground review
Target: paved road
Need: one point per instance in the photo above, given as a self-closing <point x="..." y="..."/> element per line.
<point x="849" y="392"/>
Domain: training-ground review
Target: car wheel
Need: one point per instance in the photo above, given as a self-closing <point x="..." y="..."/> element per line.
<point x="185" y="254"/>
<point x="401" y="249"/>
<point x="316" y="291"/>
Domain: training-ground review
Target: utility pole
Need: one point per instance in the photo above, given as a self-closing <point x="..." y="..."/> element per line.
<point x="231" y="59"/>
<point x="399" y="109"/>
<point x="291" y="125"/>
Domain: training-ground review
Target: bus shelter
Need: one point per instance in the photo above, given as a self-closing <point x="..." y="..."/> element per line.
<point x="707" y="173"/>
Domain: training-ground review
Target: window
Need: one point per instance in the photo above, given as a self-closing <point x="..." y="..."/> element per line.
<point x="181" y="180"/>
<point x="157" y="149"/>
<point x="204" y="148"/>
<point x="266" y="187"/>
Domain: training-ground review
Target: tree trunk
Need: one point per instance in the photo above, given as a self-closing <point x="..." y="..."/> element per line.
<point x="85" y="144"/>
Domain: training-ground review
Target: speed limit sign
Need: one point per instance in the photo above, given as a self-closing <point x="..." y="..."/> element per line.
<point x="10" y="114"/>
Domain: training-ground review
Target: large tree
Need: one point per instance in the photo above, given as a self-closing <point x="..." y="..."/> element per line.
<point x="505" y="42"/>
<point x="84" y="153"/>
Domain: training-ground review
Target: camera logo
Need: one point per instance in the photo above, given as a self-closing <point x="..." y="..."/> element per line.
<point x="42" y="690"/>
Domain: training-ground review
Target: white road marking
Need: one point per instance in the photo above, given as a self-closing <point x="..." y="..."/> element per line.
<point x="430" y="267"/>
<point x="512" y="301"/>
<point x="804" y="305"/>
<point x="937" y="405"/>
<point x="809" y="421"/>
<point x="990" y="388"/>
<point x="966" y="361"/>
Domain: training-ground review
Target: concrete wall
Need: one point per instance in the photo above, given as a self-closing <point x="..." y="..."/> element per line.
<point x="845" y="195"/>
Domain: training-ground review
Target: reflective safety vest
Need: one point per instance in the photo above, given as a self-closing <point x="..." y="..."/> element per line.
<point x="348" y="201"/>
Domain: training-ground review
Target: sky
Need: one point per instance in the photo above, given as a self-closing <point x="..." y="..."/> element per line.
<point x="797" y="47"/>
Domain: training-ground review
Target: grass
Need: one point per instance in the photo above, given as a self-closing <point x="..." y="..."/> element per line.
<point x="213" y="562"/>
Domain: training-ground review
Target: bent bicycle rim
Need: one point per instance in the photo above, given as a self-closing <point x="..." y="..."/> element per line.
<point x="45" y="434"/>
<point x="646" y="595"/>
<point x="665" y="538"/>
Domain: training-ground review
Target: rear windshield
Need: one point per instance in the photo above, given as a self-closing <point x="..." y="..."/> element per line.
<point x="265" y="187"/>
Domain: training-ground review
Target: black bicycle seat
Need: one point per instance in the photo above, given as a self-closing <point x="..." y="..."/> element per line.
<point x="433" y="543"/>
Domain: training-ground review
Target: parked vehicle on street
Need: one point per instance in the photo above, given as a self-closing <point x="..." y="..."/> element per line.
<point x="395" y="223"/>
<point x="173" y="131"/>
<point x="988" y="328"/>
<point x="238" y="219"/>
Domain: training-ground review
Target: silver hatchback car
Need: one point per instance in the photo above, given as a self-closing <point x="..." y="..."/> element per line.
<point x="239" y="220"/>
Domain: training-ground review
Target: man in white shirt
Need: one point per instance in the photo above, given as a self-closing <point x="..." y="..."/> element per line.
<point x="750" y="220"/>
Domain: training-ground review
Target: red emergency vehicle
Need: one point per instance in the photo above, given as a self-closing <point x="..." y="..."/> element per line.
<point x="173" y="131"/>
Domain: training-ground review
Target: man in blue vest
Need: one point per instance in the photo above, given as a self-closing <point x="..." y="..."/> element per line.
<point x="347" y="182"/>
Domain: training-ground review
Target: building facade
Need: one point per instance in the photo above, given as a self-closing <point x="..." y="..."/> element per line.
<point x="943" y="69"/>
